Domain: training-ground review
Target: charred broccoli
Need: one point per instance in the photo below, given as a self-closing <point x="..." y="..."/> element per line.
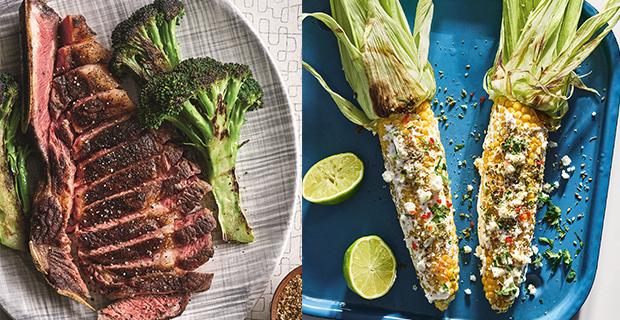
<point x="15" y="198"/>
<point x="207" y="100"/>
<point x="146" y="44"/>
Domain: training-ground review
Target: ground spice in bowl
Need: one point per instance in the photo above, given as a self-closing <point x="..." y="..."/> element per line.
<point x="286" y="304"/>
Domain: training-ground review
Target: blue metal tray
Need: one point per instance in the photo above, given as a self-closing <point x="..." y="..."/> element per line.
<point x="463" y="33"/>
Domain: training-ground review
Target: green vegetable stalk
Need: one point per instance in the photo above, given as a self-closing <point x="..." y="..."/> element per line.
<point x="15" y="198"/>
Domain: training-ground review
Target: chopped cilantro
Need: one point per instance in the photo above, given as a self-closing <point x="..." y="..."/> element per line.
<point x="546" y="241"/>
<point x="571" y="275"/>
<point x="442" y="167"/>
<point x="566" y="257"/>
<point x="459" y="147"/>
<point x="513" y="145"/>
<point x="538" y="260"/>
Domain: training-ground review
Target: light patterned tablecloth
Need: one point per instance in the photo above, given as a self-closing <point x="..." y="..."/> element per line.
<point x="278" y="22"/>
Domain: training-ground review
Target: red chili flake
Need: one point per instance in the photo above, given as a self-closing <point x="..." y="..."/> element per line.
<point x="508" y="239"/>
<point x="439" y="201"/>
<point x="413" y="245"/>
<point x="482" y="99"/>
<point x="518" y="208"/>
<point x="413" y="212"/>
<point x="449" y="204"/>
<point x="426" y="215"/>
<point x="522" y="217"/>
<point x="471" y="224"/>
<point x="471" y="95"/>
<point x="539" y="162"/>
<point x="432" y="140"/>
<point x="406" y="118"/>
<point x="430" y="228"/>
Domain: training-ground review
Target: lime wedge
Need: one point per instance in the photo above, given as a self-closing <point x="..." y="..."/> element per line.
<point x="333" y="179"/>
<point x="369" y="267"/>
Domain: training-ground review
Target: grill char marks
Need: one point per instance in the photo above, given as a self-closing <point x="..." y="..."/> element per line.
<point x="146" y="307"/>
<point x="98" y="108"/>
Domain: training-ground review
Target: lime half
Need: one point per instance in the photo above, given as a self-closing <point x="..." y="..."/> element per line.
<point x="369" y="267"/>
<point x="333" y="179"/>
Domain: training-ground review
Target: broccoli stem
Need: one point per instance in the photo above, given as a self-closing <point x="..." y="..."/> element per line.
<point x="226" y="190"/>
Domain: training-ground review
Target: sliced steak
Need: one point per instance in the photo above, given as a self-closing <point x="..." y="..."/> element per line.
<point x="98" y="108"/>
<point x="174" y="281"/>
<point x="146" y="307"/>
<point x="74" y="29"/>
<point x="128" y="178"/>
<point x="39" y="35"/>
<point x="80" y="54"/>
<point x="78" y="83"/>
<point x="115" y="207"/>
<point x="187" y="257"/>
<point x="106" y="136"/>
<point x="143" y="222"/>
<point x="102" y="164"/>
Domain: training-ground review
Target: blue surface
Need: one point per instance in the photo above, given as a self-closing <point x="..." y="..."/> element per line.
<point x="463" y="33"/>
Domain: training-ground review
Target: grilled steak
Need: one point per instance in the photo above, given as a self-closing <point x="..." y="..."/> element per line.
<point x="146" y="307"/>
<point x="128" y="194"/>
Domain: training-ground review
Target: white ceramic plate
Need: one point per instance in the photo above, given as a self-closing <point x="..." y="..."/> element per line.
<point x="266" y="166"/>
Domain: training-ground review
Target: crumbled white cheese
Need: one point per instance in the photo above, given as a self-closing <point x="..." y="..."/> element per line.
<point x="415" y="287"/>
<point x="535" y="250"/>
<point x="472" y="278"/>
<point x="556" y="184"/>
<point x="470" y="188"/>
<point x="409" y="206"/>
<point x="565" y="175"/>
<point x="531" y="289"/>
<point x="436" y="183"/>
<point x="424" y="196"/>
<point x="421" y="266"/>
<point x="478" y="163"/>
<point x="467" y="249"/>
<point x="593" y="113"/>
<point x="566" y="160"/>
<point x="570" y="169"/>
<point x="467" y="291"/>
<point x="388" y="176"/>
<point x="552" y="144"/>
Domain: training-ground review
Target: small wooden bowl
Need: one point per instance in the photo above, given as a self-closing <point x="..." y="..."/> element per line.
<point x="281" y="286"/>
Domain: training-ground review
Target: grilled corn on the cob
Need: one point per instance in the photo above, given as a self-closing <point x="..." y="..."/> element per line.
<point x="530" y="83"/>
<point x="511" y="170"/>
<point x="388" y="69"/>
<point x="415" y="166"/>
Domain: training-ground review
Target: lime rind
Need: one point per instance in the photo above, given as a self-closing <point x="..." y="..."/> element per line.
<point x="334" y="179"/>
<point x="369" y="267"/>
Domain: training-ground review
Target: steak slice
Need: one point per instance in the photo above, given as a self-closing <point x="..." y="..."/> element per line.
<point x="132" y="226"/>
<point x="146" y="307"/>
<point x="174" y="281"/>
<point x="74" y="29"/>
<point x="120" y="205"/>
<point x="98" y="108"/>
<point x="39" y="35"/>
<point x="79" y="83"/>
<point x="106" y="136"/>
<point x="187" y="257"/>
<point x="128" y="178"/>
<point x="104" y="163"/>
<point x="79" y="54"/>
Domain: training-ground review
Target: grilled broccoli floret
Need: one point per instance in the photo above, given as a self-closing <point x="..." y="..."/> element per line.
<point x="207" y="100"/>
<point x="146" y="44"/>
<point x="15" y="198"/>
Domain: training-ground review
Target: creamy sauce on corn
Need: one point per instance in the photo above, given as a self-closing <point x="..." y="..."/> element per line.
<point x="416" y="169"/>
<point x="511" y="171"/>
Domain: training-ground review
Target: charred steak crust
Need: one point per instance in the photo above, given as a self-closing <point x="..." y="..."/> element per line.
<point x="131" y="197"/>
